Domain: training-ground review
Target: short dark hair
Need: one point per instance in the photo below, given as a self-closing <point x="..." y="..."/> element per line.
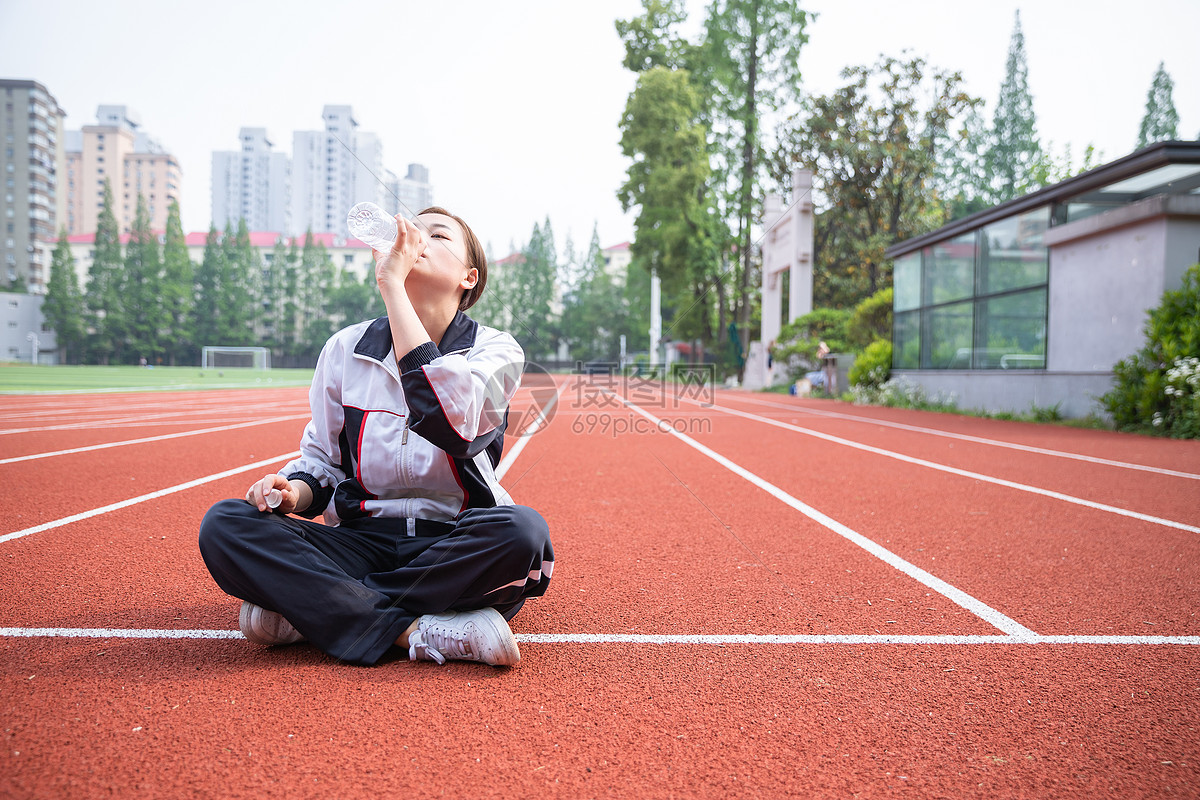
<point x="476" y="257"/>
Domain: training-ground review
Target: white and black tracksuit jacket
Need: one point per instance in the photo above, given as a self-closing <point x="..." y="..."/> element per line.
<point x="414" y="439"/>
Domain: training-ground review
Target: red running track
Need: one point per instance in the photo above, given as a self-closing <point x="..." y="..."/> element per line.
<point x="781" y="597"/>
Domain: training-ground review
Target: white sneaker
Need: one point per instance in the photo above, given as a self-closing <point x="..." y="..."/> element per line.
<point x="480" y="635"/>
<point x="266" y="627"/>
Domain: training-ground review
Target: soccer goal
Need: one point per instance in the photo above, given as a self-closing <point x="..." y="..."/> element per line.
<point x="231" y="357"/>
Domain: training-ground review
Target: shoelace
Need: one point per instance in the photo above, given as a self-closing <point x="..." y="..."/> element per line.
<point x="438" y="642"/>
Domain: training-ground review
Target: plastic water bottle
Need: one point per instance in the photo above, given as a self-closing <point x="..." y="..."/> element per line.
<point x="274" y="498"/>
<point x="372" y="226"/>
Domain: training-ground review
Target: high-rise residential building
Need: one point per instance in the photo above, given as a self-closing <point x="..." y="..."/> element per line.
<point x="324" y="173"/>
<point x="252" y="183"/>
<point x="370" y="177"/>
<point x="31" y="123"/>
<point x="410" y="194"/>
<point x="340" y="166"/>
<point x="118" y="151"/>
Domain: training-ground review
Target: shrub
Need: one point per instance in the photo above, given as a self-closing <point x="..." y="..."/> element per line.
<point x="901" y="393"/>
<point x="874" y="366"/>
<point x="871" y="319"/>
<point x="1157" y="389"/>
<point x="799" y="339"/>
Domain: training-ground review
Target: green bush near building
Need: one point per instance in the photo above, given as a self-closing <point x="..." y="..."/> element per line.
<point x="1157" y="389"/>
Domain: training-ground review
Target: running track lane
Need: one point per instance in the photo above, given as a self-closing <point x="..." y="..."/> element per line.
<point x="609" y="719"/>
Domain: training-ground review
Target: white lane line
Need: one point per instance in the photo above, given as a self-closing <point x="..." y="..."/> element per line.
<point x="174" y="417"/>
<point x="975" y="606"/>
<point x="540" y="422"/>
<point x="651" y="639"/>
<point x="151" y="496"/>
<point x="1023" y="487"/>
<point x="117" y="633"/>
<point x="181" y="387"/>
<point x="161" y="438"/>
<point x="963" y="437"/>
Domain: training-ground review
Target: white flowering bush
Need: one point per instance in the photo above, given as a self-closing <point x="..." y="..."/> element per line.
<point x="1182" y="390"/>
<point x="1157" y="389"/>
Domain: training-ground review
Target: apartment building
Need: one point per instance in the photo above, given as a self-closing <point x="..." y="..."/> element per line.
<point x="31" y="123"/>
<point x="118" y="151"/>
<point x="252" y="183"/>
<point x="410" y="194"/>
<point x="335" y="168"/>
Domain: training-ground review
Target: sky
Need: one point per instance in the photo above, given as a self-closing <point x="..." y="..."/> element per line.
<point x="515" y="107"/>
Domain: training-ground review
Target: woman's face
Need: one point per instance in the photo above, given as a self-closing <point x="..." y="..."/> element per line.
<point x="442" y="271"/>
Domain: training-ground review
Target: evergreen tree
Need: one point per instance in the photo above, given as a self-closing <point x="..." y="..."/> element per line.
<point x="244" y="287"/>
<point x="105" y="304"/>
<point x="593" y="312"/>
<point x="141" y="287"/>
<point x="209" y="278"/>
<point x="1013" y="151"/>
<point x="274" y="298"/>
<point x="287" y="297"/>
<point x="492" y="308"/>
<point x="178" y="292"/>
<point x="63" y="307"/>
<point x="1160" y="123"/>
<point x="316" y="275"/>
<point x="530" y="294"/>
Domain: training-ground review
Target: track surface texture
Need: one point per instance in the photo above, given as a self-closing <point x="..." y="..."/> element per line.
<point x="755" y="596"/>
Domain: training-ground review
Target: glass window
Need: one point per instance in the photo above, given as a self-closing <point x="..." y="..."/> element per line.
<point x="947" y="337"/>
<point x="906" y="340"/>
<point x="1011" y="331"/>
<point x="906" y="280"/>
<point x="950" y="270"/>
<point x="1012" y="255"/>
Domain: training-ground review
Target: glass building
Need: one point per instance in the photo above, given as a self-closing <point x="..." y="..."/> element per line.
<point x="1032" y="302"/>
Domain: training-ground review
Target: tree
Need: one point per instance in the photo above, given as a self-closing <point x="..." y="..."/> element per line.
<point x="1013" y="150"/>
<point x="141" y="287"/>
<point x="667" y="181"/>
<point x="651" y="39"/>
<point x="63" y="307"/>
<point x="207" y="311"/>
<point x="178" y="291"/>
<point x="750" y="64"/>
<point x="593" y="313"/>
<point x="874" y="147"/>
<point x="105" y="303"/>
<point x="1160" y="123"/>
<point x="317" y="277"/>
<point x="530" y="294"/>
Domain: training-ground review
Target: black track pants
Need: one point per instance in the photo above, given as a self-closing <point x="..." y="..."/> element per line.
<point x="353" y="590"/>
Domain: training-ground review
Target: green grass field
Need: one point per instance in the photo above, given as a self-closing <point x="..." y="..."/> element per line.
<point x="28" y="379"/>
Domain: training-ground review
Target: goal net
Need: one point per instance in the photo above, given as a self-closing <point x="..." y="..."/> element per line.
<point x="231" y="357"/>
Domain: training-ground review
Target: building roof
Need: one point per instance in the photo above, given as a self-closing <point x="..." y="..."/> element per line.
<point x="1161" y="168"/>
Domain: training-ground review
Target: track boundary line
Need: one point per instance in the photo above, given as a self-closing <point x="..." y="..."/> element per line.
<point x="652" y="639"/>
<point x="921" y="462"/>
<point x="965" y="437"/>
<point x="927" y="579"/>
<point x="149" y="496"/>
<point x="147" y="439"/>
<point x="540" y="422"/>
